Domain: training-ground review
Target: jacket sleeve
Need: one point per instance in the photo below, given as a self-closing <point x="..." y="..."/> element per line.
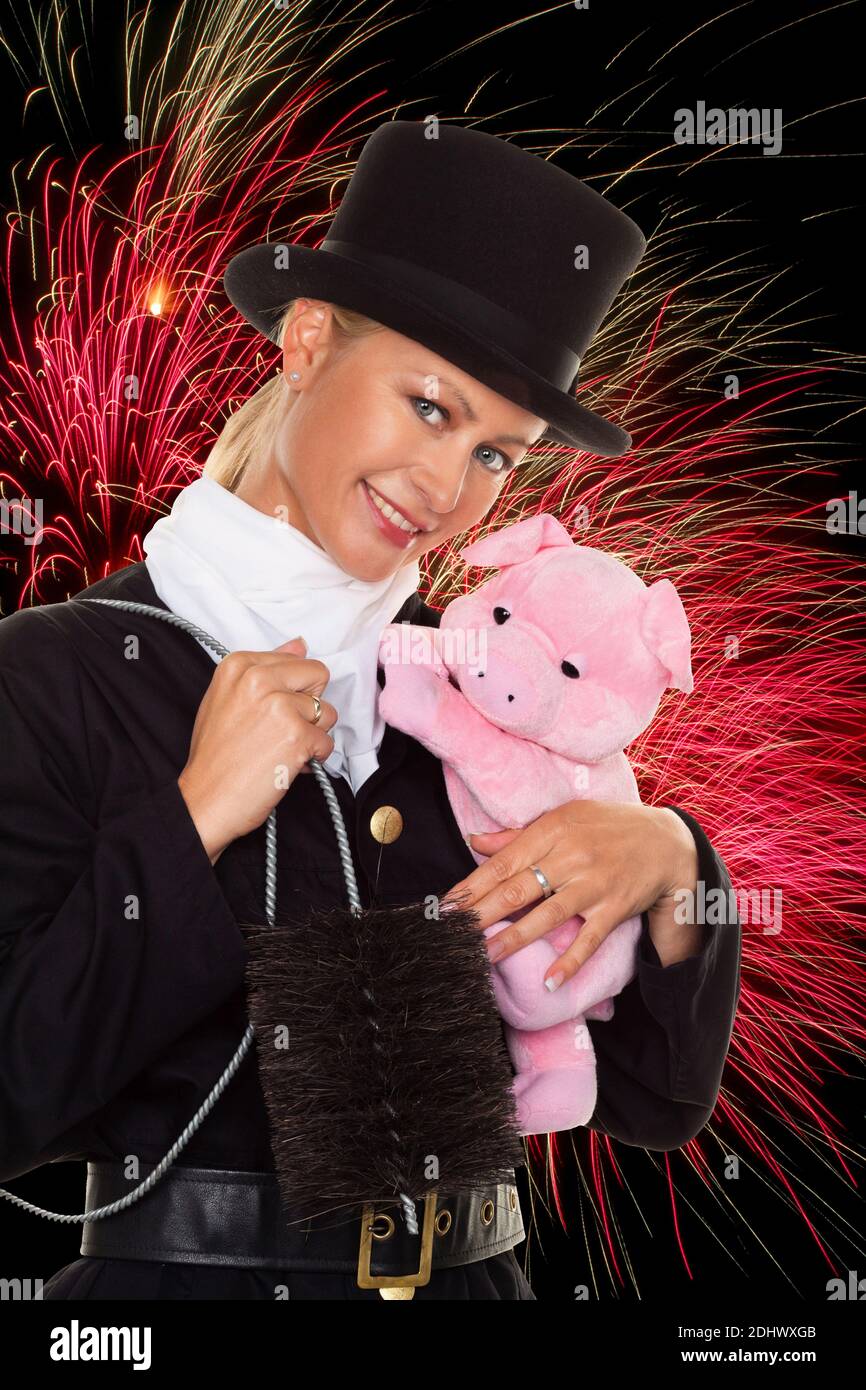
<point x="660" y="1057"/>
<point x="115" y="936"/>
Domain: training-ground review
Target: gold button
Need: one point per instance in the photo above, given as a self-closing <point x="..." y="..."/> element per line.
<point x="386" y="824"/>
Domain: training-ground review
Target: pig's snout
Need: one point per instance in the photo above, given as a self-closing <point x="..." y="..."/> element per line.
<point x="505" y="684"/>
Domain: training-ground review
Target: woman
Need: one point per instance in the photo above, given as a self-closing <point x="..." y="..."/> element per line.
<point x="121" y="983"/>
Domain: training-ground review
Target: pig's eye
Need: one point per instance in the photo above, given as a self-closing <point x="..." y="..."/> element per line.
<point x="501" y="615"/>
<point x="568" y="670"/>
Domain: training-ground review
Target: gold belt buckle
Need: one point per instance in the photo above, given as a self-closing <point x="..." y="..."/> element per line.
<point x="401" y="1286"/>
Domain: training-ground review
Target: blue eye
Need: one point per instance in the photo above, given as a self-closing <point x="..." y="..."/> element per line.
<point x="425" y="400"/>
<point x="508" y="464"/>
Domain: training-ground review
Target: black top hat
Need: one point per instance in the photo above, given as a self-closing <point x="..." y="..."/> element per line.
<point x="470" y="245"/>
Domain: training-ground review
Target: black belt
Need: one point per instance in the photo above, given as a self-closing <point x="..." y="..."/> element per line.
<point x="216" y="1216"/>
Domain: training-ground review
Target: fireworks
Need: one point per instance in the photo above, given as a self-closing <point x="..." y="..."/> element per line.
<point x="121" y="358"/>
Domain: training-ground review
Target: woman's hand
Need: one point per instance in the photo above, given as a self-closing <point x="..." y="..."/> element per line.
<point x="604" y="861"/>
<point x="253" y="734"/>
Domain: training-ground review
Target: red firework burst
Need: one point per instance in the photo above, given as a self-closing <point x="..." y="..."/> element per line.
<point x="121" y="359"/>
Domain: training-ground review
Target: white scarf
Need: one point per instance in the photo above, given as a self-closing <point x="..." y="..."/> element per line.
<point x="254" y="582"/>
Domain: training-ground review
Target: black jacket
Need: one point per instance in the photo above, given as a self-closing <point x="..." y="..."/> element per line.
<point x="121" y="954"/>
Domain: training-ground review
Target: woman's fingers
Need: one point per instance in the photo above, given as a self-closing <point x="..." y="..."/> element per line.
<point x="505" y="886"/>
<point x="596" y="927"/>
<point x="606" y="862"/>
<point x="550" y="913"/>
<point x="598" y="923"/>
<point x="485" y="888"/>
<point x="306" y="707"/>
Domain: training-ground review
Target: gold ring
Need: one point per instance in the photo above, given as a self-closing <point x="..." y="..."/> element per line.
<point x="317" y="702"/>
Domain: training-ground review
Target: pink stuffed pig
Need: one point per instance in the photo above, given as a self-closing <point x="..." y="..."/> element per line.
<point x="528" y="692"/>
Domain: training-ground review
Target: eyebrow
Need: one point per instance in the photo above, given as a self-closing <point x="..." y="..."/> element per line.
<point x="500" y="438"/>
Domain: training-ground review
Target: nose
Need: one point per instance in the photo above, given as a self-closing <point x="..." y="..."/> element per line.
<point x="508" y="682"/>
<point x="440" y="480"/>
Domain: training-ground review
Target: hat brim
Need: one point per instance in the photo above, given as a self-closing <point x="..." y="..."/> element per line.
<point x="261" y="292"/>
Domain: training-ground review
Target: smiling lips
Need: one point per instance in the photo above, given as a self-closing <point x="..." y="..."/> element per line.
<point x="392" y="514"/>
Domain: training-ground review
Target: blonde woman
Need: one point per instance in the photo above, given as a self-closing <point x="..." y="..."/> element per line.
<point x="134" y="791"/>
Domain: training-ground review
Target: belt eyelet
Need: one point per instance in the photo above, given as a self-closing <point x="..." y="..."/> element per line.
<point x="443" y="1215"/>
<point x="487" y="1210"/>
<point x="512" y="1198"/>
<point x="388" y="1232"/>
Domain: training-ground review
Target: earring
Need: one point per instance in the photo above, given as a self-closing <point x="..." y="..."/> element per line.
<point x="295" y="376"/>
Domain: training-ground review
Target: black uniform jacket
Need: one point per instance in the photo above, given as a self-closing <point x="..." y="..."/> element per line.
<point x="121" y="955"/>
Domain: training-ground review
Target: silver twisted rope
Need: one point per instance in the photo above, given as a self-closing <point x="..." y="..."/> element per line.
<point x="217" y="649"/>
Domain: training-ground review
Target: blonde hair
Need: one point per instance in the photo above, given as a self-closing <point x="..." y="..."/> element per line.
<point x="249" y="430"/>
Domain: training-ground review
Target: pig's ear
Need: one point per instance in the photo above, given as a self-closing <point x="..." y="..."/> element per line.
<point x="665" y="630"/>
<point x="516" y="543"/>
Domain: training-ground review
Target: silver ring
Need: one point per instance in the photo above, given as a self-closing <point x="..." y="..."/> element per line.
<point x="543" y="880"/>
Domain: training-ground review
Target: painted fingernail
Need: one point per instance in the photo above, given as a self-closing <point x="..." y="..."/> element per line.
<point x="554" y="981"/>
<point x="495" y="949"/>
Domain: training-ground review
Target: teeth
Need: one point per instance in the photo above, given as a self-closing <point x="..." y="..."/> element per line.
<point x="388" y="511"/>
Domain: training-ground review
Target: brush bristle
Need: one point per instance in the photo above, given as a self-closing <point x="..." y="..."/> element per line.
<point x="381" y="1055"/>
